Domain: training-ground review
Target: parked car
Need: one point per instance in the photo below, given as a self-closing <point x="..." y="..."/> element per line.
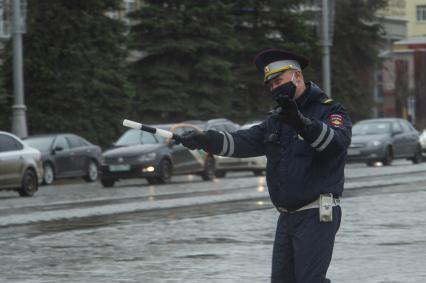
<point x="383" y="140"/>
<point x="66" y="156"/>
<point x="226" y="164"/>
<point x="20" y="165"/>
<point x="255" y="164"/>
<point x="422" y="140"/>
<point x="220" y="124"/>
<point x="138" y="154"/>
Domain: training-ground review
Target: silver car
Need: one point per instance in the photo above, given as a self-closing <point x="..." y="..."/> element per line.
<point x="423" y="141"/>
<point x="20" y="165"/>
<point x="382" y="140"/>
<point x="255" y="164"/>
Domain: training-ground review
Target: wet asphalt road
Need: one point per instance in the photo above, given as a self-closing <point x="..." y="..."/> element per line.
<point x="194" y="231"/>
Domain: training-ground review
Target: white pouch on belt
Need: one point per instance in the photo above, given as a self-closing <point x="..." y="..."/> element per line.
<point x="326" y="208"/>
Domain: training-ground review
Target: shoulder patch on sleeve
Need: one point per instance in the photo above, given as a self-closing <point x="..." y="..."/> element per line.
<point x="327" y="101"/>
<point x="335" y="120"/>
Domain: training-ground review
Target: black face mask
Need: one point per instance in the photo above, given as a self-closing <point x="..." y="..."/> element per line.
<point x="284" y="91"/>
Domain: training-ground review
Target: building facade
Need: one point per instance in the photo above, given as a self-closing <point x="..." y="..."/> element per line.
<point x="401" y="81"/>
<point x="404" y="19"/>
<point x="416" y="15"/>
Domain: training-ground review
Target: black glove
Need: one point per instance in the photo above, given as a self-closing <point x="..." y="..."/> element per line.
<point x="194" y="140"/>
<point x="291" y="115"/>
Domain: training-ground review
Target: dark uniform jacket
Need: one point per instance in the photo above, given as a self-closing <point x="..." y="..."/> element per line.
<point x="300" y="166"/>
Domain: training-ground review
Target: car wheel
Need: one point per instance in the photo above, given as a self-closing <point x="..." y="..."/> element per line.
<point x="165" y="172"/>
<point x="387" y="159"/>
<point x="152" y="180"/>
<point x="107" y="183"/>
<point x="370" y="163"/>
<point x="417" y="158"/>
<point x="48" y="174"/>
<point x="92" y="172"/>
<point x="220" y="174"/>
<point x="29" y="184"/>
<point x="209" y="169"/>
<point x="258" y="172"/>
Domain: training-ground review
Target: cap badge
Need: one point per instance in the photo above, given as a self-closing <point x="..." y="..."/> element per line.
<point x="266" y="69"/>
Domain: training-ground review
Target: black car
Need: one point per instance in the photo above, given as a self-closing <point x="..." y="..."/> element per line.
<point x="383" y="140"/>
<point x="138" y="154"/>
<point x="66" y="156"/>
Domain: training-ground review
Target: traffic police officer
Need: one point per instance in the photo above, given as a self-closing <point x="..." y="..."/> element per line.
<point x="305" y="139"/>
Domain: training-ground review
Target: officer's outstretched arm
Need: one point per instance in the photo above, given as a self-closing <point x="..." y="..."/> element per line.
<point x="332" y="135"/>
<point x="243" y="143"/>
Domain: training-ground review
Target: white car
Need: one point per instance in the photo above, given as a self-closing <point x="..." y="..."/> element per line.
<point x="255" y="164"/>
<point x="422" y="139"/>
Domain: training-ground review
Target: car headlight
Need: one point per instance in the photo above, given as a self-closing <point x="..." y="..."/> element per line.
<point x="376" y="143"/>
<point x="148" y="157"/>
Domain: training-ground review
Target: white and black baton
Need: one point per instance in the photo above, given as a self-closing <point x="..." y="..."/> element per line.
<point x="160" y="132"/>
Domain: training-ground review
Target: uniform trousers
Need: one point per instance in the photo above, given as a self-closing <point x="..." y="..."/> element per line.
<point x="303" y="246"/>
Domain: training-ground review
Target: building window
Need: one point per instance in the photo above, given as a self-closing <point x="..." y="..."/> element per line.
<point x="421" y="13"/>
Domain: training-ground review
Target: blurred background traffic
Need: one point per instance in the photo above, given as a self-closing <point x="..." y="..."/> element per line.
<point x="71" y="71"/>
<point x="42" y="159"/>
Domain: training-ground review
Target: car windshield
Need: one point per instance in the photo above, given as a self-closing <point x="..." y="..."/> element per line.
<point x="134" y="137"/>
<point x="373" y="128"/>
<point x="40" y="143"/>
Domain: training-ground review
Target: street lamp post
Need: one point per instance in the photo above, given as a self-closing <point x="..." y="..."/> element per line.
<point x="19" y="120"/>
<point x="326" y="48"/>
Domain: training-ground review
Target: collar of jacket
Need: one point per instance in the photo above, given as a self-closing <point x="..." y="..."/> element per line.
<point x="312" y="93"/>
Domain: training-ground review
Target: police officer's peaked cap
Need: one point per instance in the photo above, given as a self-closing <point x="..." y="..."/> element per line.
<point x="273" y="62"/>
